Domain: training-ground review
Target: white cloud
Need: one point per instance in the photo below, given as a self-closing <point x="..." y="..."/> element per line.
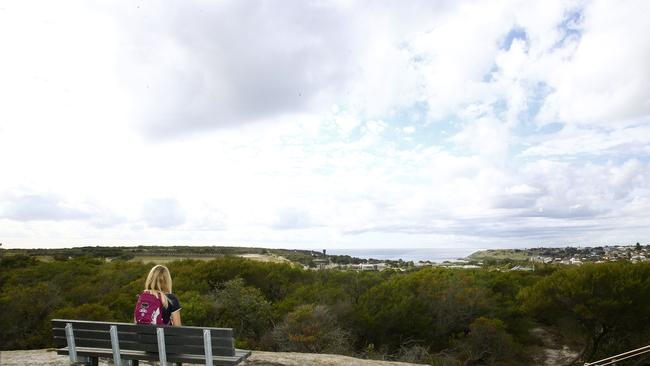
<point x="197" y="66"/>
<point x="605" y="81"/>
<point x="486" y="137"/>
<point x="375" y="127"/>
<point x="346" y="123"/>
<point x="575" y="141"/>
<point x="408" y="130"/>
<point x="30" y="207"/>
<point x="163" y="213"/>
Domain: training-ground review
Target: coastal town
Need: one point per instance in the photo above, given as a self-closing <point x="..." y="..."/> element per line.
<point x="569" y="255"/>
<point x="512" y="259"/>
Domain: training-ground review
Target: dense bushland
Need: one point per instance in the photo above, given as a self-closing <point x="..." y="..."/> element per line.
<point x="434" y="315"/>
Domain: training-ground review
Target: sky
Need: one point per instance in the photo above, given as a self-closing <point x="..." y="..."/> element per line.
<point x="324" y="124"/>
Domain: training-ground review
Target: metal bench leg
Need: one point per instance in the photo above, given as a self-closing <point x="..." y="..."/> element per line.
<point x="124" y="363"/>
<point x="87" y="361"/>
<point x="90" y="361"/>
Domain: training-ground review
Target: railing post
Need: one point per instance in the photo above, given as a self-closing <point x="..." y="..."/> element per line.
<point x="72" y="350"/>
<point x="207" y="345"/>
<point x="162" y="355"/>
<point x="115" y="345"/>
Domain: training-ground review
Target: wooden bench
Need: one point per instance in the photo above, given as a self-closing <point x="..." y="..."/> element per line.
<point x="126" y="344"/>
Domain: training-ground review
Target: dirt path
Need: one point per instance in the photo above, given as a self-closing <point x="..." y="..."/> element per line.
<point x="554" y="353"/>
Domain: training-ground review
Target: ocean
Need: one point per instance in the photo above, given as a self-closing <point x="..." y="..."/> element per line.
<point x="408" y="254"/>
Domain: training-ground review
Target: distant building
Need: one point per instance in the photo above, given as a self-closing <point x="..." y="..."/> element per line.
<point x="381" y="266"/>
<point x="521" y="268"/>
<point x="423" y="264"/>
<point x="321" y="263"/>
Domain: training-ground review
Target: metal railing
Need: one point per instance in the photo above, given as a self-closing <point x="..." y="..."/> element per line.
<point x="623" y="356"/>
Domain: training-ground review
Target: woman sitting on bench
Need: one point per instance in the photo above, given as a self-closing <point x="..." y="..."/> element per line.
<point x="156" y="304"/>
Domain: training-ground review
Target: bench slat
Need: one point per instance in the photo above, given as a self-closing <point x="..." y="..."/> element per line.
<point x="147" y="347"/>
<point x="240" y="355"/>
<point x="145" y="338"/>
<point x="142" y="328"/>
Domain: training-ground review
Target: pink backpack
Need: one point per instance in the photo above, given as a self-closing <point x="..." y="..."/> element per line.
<point x="148" y="309"/>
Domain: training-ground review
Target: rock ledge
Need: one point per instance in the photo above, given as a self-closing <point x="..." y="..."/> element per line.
<point x="47" y="357"/>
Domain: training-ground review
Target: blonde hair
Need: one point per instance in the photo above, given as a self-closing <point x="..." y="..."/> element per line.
<point x="159" y="283"/>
